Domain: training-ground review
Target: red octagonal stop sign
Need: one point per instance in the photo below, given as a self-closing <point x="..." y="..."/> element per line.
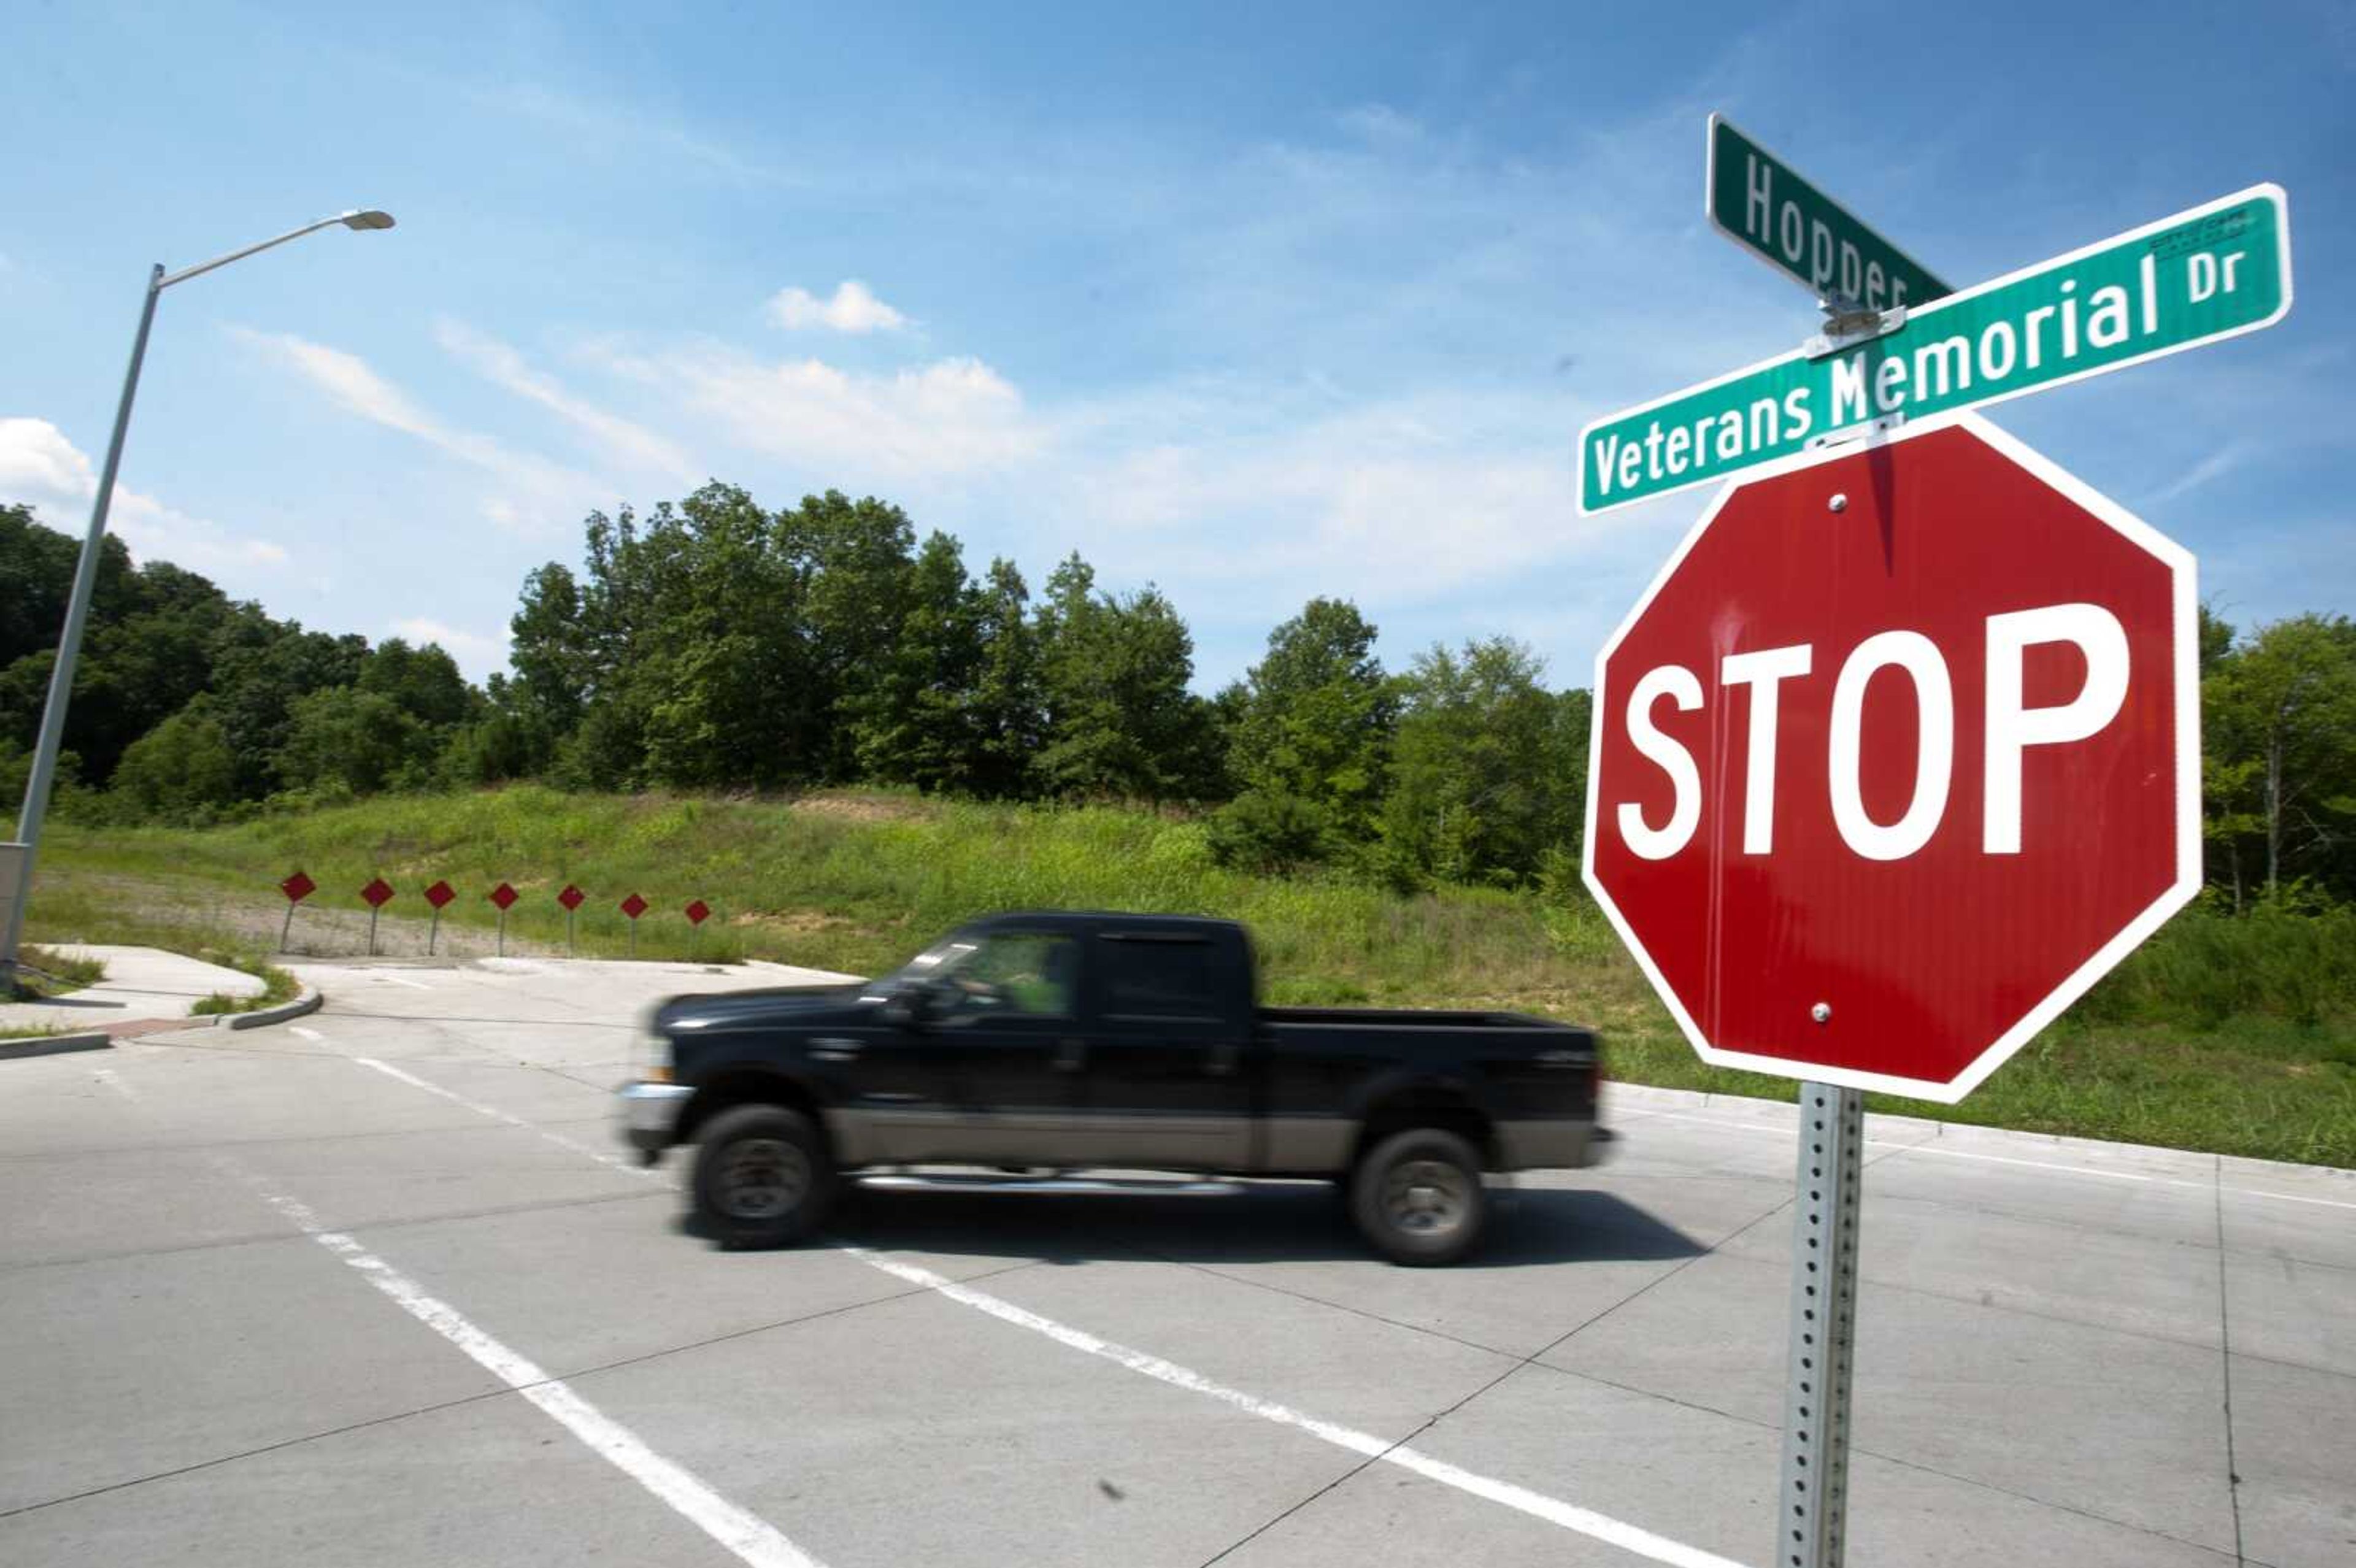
<point x="1898" y="753"/>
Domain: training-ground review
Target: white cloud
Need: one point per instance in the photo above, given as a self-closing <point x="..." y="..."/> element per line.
<point x="39" y="467"/>
<point x="951" y="417"/>
<point x="476" y="653"/>
<point x="612" y="126"/>
<point x="853" y="309"/>
<point x="633" y="445"/>
<point x="535" y="496"/>
<point x="2216" y="465"/>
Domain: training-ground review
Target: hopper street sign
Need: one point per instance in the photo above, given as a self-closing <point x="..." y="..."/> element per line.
<point x="503" y="896"/>
<point x="297" y="888"/>
<point x="1757" y="200"/>
<point x="1898" y="755"/>
<point x="2210" y="273"/>
<point x="377" y="892"/>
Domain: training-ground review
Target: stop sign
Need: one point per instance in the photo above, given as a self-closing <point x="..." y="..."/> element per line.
<point x="1897" y="755"/>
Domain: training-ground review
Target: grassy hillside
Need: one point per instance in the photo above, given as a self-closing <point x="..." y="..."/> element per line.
<point x="2171" y="1054"/>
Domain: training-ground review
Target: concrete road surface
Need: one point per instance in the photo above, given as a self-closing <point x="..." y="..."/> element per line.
<point x="381" y="1288"/>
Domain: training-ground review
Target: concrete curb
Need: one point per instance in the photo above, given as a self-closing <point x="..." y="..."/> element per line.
<point x="52" y="1044"/>
<point x="307" y="1002"/>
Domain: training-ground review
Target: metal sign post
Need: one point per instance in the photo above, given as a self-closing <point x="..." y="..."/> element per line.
<point x="1814" y="1497"/>
<point x="502" y="897"/>
<point x="298" y="888"/>
<point x="571" y="899"/>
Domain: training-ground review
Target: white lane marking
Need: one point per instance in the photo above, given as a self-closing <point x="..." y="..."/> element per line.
<point x="1569" y="1515"/>
<point x="752" y="1539"/>
<point x="403" y="980"/>
<point x="615" y="1161"/>
<point x="299" y="1032"/>
<point x="1772" y="1128"/>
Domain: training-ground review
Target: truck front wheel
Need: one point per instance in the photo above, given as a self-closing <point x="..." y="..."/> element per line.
<point x="1417" y="1196"/>
<point x="762" y="1176"/>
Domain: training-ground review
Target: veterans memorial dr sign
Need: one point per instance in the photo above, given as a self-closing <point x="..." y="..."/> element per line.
<point x="2206" y="274"/>
<point x="1898" y="753"/>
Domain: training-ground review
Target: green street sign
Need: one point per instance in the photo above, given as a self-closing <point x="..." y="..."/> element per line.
<point x="2212" y="272"/>
<point x="1761" y="204"/>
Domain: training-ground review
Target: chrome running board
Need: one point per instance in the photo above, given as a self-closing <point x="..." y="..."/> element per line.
<point x="1087" y="1185"/>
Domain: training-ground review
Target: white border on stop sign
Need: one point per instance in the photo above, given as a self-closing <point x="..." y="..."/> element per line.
<point x="2182" y="573"/>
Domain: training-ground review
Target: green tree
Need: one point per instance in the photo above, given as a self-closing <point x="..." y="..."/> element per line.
<point x="550" y="649"/>
<point x="918" y="721"/>
<point x="425" y="681"/>
<point x="181" y="771"/>
<point x="1120" y="722"/>
<point x="2280" y="768"/>
<point x="1309" y="735"/>
<point x="1479" y="790"/>
<point x="360" y="740"/>
<point x="1007" y="706"/>
<point x="858" y="565"/>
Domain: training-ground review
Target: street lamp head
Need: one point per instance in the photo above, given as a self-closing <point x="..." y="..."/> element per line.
<point x="371" y="218"/>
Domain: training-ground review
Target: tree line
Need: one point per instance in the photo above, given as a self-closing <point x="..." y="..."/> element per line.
<point x="714" y="644"/>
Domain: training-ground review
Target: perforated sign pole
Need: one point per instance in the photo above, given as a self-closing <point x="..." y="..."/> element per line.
<point x="1811" y="1503"/>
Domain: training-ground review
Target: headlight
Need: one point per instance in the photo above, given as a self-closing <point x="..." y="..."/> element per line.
<point x="650" y="1047"/>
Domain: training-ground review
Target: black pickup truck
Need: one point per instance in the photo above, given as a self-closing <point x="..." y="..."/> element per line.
<point x="1105" y="1041"/>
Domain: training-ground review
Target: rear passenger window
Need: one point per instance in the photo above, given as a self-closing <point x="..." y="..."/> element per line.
<point x="1159" y="979"/>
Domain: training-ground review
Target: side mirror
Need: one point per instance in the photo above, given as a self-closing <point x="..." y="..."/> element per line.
<point x="911" y="1007"/>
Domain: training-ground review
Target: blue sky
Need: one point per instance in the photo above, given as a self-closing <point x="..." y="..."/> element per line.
<point x="1253" y="302"/>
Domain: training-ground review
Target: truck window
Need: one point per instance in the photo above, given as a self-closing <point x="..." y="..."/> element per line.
<point x="1154" y="977"/>
<point x="1026" y="973"/>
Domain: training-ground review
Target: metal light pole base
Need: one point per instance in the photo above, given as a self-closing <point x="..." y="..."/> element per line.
<point x="1811" y="1503"/>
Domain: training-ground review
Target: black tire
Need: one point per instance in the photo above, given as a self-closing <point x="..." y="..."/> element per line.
<point x="1417" y="1196"/>
<point x="763" y="1176"/>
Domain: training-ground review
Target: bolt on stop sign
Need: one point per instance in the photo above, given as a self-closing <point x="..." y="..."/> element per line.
<point x="1897" y="756"/>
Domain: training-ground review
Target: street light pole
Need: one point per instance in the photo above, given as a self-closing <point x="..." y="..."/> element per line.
<point x="38" y="783"/>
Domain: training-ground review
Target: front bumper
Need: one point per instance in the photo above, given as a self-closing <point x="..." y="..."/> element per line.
<point x="649" y="1114"/>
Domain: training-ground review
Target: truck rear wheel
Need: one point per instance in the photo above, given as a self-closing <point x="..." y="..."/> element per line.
<point x="762" y="1176"/>
<point x="1417" y="1196"/>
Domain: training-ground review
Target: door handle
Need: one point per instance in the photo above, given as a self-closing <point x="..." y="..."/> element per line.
<point x="1070" y="1055"/>
<point x="835" y="1050"/>
<point x="1225" y="1056"/>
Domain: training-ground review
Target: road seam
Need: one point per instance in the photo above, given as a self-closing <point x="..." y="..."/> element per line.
<point x="2225" y="1366"/>
<point x="1569" y="1515"/>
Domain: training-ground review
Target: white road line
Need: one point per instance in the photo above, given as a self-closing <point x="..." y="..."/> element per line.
<point x="1773" y="1129"/>
<point x="753" y="1540"/>
<point x="615" y="1161"/>
<point x="299" y="1032"/>
<point x="1569" y="1515"/>
<point x="403" y="980"/>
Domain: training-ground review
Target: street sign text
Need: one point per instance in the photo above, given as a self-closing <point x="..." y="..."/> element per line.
<point x="1759" y="202"/>
<point x="2210" y="273"/>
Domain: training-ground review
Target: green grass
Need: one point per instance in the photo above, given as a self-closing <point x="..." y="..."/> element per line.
<point x="282" y="988"/>
<point x="2232" y="1036"/>
<point x="52" y="974"/>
